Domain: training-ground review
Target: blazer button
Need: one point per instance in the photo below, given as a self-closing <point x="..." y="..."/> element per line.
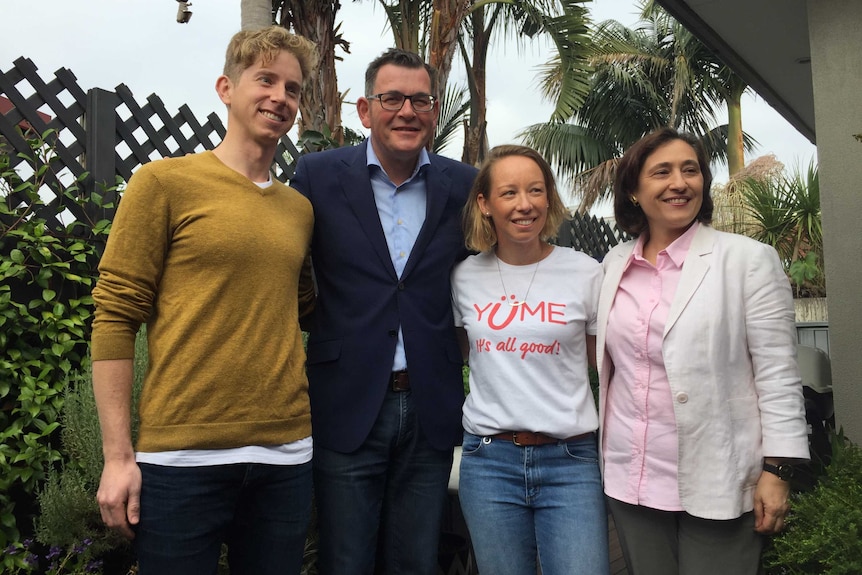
<point x="392" y="332"/>
<point x="401" y="286"/>
<point x="682" y="397"/>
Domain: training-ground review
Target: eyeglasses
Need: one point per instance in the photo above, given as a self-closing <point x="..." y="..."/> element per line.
<point x="394" y="101"/>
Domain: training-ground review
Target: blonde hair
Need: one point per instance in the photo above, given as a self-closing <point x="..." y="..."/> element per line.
<point x="247" y="46"/>
<point x="479" y="232"/>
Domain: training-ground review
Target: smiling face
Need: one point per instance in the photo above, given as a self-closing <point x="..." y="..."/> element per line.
<point x="398" y="136"/>
<point x="263" y="101"/>
<point x="517" y="201"/>
<point x="670" y="189"/>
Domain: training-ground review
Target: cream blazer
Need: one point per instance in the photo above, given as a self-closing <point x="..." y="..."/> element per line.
<point x="730" y="353"/>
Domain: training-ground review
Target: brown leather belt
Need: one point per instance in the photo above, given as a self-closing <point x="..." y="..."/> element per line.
<point x="528" y="438"/>
<point x="400" y="381"/>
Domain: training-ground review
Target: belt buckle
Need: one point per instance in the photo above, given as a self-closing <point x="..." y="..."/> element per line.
<point x="396" y="380"/>
<point x="515" y="439"/>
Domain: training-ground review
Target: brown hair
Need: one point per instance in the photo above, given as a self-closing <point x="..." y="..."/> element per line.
<point x="398" y="57"/>
<point x="630" y="217"/>
<point x="247" y="46"/>
<point x="479" y="232"/>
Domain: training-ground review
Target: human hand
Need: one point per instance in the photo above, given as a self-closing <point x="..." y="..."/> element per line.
<point x="770" y="503"/>
<point x="119" y="496"/>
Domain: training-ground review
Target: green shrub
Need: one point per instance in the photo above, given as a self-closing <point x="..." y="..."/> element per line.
<point x="824" y="528"/>
<point x="69" y="512"/>
<point x="46" y="275"/>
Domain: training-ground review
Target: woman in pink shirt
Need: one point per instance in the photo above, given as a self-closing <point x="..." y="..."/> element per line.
<point x="701" y="406"/>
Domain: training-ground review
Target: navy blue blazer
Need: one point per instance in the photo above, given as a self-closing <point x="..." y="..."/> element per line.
<point x="361" y="301"/>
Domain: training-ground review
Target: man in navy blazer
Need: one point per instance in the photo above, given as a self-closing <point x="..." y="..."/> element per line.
<point x="384" y="366"/>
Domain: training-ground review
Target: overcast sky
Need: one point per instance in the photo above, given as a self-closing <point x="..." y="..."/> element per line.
<point x="139" y="43"/>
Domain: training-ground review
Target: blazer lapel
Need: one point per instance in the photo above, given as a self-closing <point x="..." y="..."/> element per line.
<point x="694" y="269"/>
<point x="356" y="187"/>
<point x="614" y="264"/>
<point x="438" y="186"/>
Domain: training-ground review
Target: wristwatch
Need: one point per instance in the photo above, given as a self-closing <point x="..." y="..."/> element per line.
<point x="784" y="471"/>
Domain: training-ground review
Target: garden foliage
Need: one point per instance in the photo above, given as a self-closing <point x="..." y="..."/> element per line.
<point x="46" y="275"/>
<point x="787" y="216"/>
<point x="824" y="528"/>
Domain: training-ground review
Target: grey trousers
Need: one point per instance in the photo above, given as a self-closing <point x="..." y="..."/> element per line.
<point x="658" y="542"/>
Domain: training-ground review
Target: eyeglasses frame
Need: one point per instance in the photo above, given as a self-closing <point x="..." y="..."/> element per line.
<point x="406" y="97"/>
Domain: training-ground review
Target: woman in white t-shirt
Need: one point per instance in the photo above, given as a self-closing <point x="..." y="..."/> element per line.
<point x="530" y="486"/>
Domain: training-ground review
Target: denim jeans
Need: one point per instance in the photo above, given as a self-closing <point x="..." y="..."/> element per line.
<point x="524" y="504"/>
<point x="260" y="511"/>
<point x="380" y="508"/>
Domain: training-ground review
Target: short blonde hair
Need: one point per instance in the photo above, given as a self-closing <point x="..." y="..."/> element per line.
<point x="479" y="232"/>
<point x="247" y="46"/>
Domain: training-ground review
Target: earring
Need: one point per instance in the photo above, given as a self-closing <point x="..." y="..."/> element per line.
<point x="635" y="201"/>
<point x="488" y="214"/>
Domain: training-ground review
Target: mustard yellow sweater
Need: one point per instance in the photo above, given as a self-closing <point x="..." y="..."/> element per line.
<point x="212" y="264"/>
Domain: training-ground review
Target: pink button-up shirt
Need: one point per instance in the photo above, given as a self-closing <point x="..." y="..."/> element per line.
<point x="640" y="438"/>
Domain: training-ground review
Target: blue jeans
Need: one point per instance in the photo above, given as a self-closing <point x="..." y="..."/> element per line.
<point x="380" y="508"/>
<point x="524" y="504"/>
<point x="260" y="511"/>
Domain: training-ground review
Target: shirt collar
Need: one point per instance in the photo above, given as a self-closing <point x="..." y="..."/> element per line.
<point x="676" y="251"/>
<point x="371" y="159"/>
<point x="679" y="248"/>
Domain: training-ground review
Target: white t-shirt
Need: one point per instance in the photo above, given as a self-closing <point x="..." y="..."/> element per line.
<point x="528" y="363"/>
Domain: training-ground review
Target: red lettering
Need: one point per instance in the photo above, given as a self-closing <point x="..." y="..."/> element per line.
<point x="513" y="311"/>
<point x="557" y="310"/>
<point x="480" y="311"/>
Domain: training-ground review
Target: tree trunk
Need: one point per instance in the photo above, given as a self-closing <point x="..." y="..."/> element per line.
<point x="735" y="148"/>
<point x="475" y="136"/>
<point x="446" y="21"/>
<point x="255" y="14"/>
<point x="320" y="105"/>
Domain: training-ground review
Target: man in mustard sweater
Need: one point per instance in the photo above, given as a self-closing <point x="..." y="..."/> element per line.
<point x="208" y="250"/>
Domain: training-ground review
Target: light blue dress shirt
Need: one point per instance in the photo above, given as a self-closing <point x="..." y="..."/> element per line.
<point x="402" y="214"/>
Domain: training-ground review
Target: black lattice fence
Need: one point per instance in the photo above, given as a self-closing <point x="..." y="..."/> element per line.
<point x="102" y="133"/>
<point x="589" y="234"/>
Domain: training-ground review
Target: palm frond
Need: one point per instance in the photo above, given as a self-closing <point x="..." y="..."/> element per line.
<point x="570" y="33"/>
<point x="571" y="150"/>
<point x="770" y="206"/>
<point x="453" y="111"/>
<point x="715" y="143"/>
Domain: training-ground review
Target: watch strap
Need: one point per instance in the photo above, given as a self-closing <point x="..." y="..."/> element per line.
<point x="783" y="471"/>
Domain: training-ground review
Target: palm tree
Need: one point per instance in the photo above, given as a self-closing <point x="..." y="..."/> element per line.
<point x="431" y="28"/>
<point x="564" y="22"/>
<point x="730" y="87"/>
<point x="428" y="28"/>
<point x="409" y="22"/>
<point x="657" y="74"/>
<point x="320" y="104"/>
<point x="255" y="14"/>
